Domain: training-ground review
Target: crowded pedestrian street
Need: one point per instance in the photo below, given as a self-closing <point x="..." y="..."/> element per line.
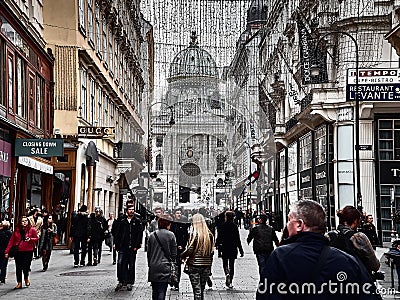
<point x="63" y="281"/>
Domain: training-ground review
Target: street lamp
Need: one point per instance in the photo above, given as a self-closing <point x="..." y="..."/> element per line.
<point x="315" y="69"/>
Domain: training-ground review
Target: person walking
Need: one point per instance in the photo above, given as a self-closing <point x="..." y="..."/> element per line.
<point x="24" y="237"/>
<point x="229" y="242"/>
<point x="103" y="222"/>
<point x="369" y="230"/>
<point x="95" y="233"/>
<point x="128" y="240"/>
<point x="49" y="231"/>
<point x="79" y="235"/>
<point x="161" y="252"/>
<point x="199" y="255"/>
<point x="305" y="267"/>
<point x="180" y="228"/>
<point x="5" y="235"/>
<point x="262" y="236"/>
<point x="36" y="222"/>
<point x="348" y="239"/>
<point x="109" y="237"/>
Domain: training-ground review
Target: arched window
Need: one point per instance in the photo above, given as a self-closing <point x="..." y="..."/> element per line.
<point x="159" y="163"/>
<point x="220" y="162"/>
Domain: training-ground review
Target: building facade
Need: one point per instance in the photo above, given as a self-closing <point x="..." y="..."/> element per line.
<point x="317" y="117"/>
<point x="26" y="103"/>
<point x="99" y="83"/>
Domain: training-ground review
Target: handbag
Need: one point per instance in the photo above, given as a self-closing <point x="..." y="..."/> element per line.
<point x="13" y="250"/>
<point x="173" y="277"/>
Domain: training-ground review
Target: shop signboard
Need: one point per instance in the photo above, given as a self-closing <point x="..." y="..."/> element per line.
<point x="373" y="85"/>
<point x="5" y="159"/>
<point x="39" y="147"/>
<point x="95" y="132"/>
<point x="389" y="172"/>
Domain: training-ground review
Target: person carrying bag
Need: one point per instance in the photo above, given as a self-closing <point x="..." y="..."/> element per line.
<point x="161" y="256"/>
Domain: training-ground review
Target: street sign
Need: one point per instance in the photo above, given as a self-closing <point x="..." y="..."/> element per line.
<point x="373" y="76"/>
<point x="373" y="92"/>
<point x="365" y="147"/>
<point x="39" y="147"/>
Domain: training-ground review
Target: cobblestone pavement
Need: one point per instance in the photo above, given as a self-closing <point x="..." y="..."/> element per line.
<point x="62" y="281"/>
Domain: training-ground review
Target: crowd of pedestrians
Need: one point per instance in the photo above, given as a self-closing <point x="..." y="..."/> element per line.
<point x="306" y="254"/>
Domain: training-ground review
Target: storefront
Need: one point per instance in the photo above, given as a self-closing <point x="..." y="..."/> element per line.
<point x="387" y="132"/>
<point x="5" y="180"/>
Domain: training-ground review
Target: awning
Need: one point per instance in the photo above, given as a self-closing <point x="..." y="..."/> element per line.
<point x="34" y="164"/>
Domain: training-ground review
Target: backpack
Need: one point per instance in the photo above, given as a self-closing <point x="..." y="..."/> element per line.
<point x="341" y="239"/>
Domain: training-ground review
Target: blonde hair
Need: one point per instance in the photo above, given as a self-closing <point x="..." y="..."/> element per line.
<point x="202" y="235"/>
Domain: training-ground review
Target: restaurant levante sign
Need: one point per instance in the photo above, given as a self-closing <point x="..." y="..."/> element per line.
<point x="39" y="147"/>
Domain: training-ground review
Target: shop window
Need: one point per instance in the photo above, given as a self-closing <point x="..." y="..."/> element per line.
<point x="387" y="194"/>
<point x="305" y="152"/>
<point x="62" y="158"/>
<point x="320" y="146"/>
<point x="389" y="139"/>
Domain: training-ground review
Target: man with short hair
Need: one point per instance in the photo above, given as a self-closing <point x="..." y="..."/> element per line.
<point x="370" y="231"/>
<point x="180" y="227"/>
<point x="36" y="222"/>
<point x="128" y="239"/>
<point x="262" y="236"/>
<point x="158" y="211"/>
<point x="305" y="267"/>
<point x="79" y="235"/>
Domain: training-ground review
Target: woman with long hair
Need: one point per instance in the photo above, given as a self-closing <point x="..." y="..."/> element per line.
<point x="199" y="255"/>
<point x="24" y="237"/>
<point x="49" y="230"/>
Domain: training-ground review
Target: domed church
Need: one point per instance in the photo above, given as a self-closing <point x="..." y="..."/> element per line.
<point x="189" y="140"/>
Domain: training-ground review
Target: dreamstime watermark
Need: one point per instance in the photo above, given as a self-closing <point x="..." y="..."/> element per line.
<point x="330" y="287"/>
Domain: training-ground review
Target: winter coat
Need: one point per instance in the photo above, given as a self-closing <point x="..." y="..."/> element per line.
<point x="46" y="238"/>
<point x="196" y="258"/>
<point x="79" y="225"/>
<point x="370" y="231"/>
<point x="180" y="229"/>
<point x="228" y="240"/>
<point x="5" y="235"/>
<point x="263" y="236"/>
<point x="24" y="246"/>
<point x="128" y="234"/>
<point x="36" y="224"/>
<point x="104" y="226"/>
<point x="293" y="264"/>
<point x="95" y="230"/>
<point x="159" y="265"/>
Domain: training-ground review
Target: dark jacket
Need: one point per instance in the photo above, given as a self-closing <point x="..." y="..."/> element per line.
<point x="79" y="226"/>
<point x="294" y="264"/>
<point x="95" y="230"/>
<point x="180" y="229"/>
<point x="263" y="236"/>
<point x="46" y="238"/>
<point x="5" y="235"/>
<point x="159" y="265"/>
<point x="104" y="226"/>
<point x="370" y="231"/>
<point x="128" y="234"/>
<point x="228" y="240"/>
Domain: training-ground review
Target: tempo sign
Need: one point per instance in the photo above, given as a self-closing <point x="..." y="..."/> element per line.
<point x="39" y="147"/>
<point x="373" y="85"/>
<point x="95" y="132"/>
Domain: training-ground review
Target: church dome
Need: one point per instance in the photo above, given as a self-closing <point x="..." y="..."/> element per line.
<point x="193" y="61"/>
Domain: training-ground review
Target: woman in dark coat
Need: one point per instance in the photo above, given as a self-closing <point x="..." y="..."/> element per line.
<point x="228" y="242"/>
<point x="158" y="261"/>
<point x="49" y="230"/>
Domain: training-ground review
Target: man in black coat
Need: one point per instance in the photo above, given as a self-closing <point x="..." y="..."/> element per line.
<point x="228" y="242"/>
<point x="262" y="236"/>
<point x="370" y="231"/>
<point x="180" y="227"/>
<point x="79" y="235"/>
<point x="305" y="267"/>
<point x="127" y="241"/>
